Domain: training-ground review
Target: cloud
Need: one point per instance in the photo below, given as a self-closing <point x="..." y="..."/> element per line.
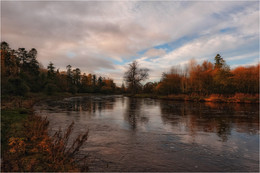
<point x="155" y="52"/>
<point x="239" y="57"/>
<point x="203" y="48"/>
<point x="100" y="34"/>
<point x="252" y="62"/>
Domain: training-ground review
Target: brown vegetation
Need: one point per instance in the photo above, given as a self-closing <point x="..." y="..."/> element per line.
<point x="208" y="82"/>
<point x="36" y="151"/>
<point x="26" y="145"/>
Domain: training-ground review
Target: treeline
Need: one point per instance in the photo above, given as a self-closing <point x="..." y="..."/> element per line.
<point x="21" y="73"/>
<point x="200" y="79"/>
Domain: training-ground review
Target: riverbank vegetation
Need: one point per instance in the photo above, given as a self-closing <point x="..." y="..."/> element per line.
<point x="21" y="73"/>
<point x="26" y="145"/>
<point x="198" y="82"/>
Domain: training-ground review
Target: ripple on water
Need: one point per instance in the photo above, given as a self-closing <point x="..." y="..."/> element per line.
<point x="129" y="134"/>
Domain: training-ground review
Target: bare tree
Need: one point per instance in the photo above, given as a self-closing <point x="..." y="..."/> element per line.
<point x="134" y="76"/>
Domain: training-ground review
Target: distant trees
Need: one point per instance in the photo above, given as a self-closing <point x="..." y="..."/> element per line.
<point x="246" y="79"/>
<point x="134" y="76"/>
<point x="19" y="67"/>
<point x="170" y="82"/>
<point x="206" y="79"/>
<point x="201" y="78"/>
<point x="21" y="73"/>
<point x="77" y="77"/>
<point x="6" y="61"/>
<point x="149" y="87"/>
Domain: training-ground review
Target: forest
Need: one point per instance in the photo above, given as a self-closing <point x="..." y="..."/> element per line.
<point x="206" y="79"/>
<point x="22" y="73"/>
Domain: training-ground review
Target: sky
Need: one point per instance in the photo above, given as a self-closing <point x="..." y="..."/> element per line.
<point x="103" y="37"/>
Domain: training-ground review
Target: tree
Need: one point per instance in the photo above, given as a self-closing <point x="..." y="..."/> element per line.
<point x="76" y="76"/>
<point x="109" y="86"/>
<point x="94" y="80"/>
<point x="69" y="70"/>
<point x="170" y="83"/>
<point x="17" y="86"/>
<point x="5" y="57"/>
<point x="220" y="63"/>
<point x="100" y="82"/>
<point x="84" y="83"/>
<point x="33" y="63"/>
<point x="69" y="75"/>
<point x="51" y="72"/>
<point x="246" y="79"/>
<point x="222" y="76"/>
<point x="149" y="87"/>
<point x="201" y="78"/>
<point x="22" y="55"/>
<point x="134" y="76"/>
<point x="89" y="79"/>
<point x="123" y="88"/>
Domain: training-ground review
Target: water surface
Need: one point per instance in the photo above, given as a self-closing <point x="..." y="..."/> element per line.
<point x="134" y="134"/>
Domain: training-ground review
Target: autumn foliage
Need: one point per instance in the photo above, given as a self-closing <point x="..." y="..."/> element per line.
<point x="207" y="78"/>
<point x="35" y="151"/>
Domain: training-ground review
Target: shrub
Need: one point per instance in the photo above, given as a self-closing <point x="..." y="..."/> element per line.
<point x="73" y="90"/>
<point x="16" y="86"/>
<point x="35" y="151"/>
<point x="50" y="88"/>
<point x="106" y="90"/>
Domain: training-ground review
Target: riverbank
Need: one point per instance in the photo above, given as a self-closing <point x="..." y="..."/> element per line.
<point x="236" y="98"/>
<point x="25" y="144"/>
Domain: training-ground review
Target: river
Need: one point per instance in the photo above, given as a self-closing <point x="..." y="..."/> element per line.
<point x="142" y="134"/>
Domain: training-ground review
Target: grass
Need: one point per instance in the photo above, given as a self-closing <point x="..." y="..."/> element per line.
<point x="12" y="125"/>
<point x="26" y="145"/>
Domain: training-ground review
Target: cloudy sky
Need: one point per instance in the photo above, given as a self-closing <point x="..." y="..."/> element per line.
<point x="103" y="37"/>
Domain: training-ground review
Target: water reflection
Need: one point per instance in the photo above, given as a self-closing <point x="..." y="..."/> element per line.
<point x="211" y="117"/>
<point x="133" y="113"/>
<point x="85" y="104"/>
<point x="193" y="118"/>
<point x="136" y="134"/>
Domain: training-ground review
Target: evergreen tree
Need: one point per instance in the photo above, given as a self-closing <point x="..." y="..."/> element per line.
<point x="51" y="72"/>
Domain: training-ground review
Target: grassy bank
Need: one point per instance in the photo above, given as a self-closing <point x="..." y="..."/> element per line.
<point x="236" y="98"/>
<point x="25" y="144"/>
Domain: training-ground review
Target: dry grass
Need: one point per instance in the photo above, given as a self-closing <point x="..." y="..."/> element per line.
<point x="237" y="98"/>
<point x="25" y="143"/>
<point x="218" y="98"/>
<point x="36" y="151"/>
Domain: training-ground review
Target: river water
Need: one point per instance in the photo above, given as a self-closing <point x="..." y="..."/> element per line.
<point x="138" y="135"/>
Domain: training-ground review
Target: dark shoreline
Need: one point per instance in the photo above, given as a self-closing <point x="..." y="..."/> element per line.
<point x="243" y="99"/>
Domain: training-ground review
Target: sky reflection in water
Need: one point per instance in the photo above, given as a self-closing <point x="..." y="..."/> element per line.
<point x="130" y="134"/>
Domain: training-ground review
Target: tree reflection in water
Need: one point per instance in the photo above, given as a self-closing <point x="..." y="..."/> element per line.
<point x="210" y="117"/>
<point x="133" y="113"/>
<point x="162" y="135"/>
<point x="87" y="104"/>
